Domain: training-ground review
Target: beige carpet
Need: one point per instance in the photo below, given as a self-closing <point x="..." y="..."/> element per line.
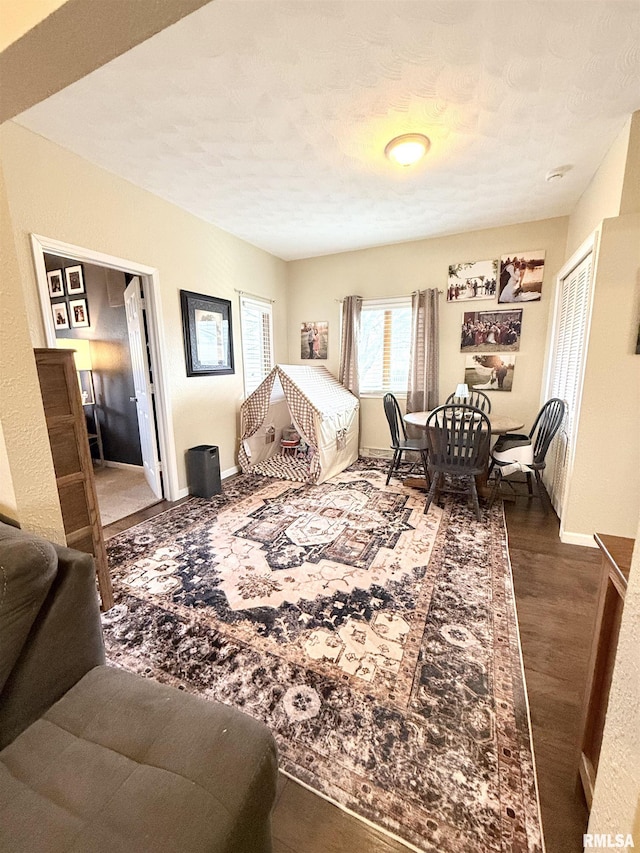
<point x="121" y="491"/>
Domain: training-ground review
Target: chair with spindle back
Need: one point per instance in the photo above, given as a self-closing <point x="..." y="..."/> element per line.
<point x="458" y="439"/>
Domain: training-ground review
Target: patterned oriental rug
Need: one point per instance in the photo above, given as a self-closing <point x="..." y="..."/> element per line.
<point x="379" y="644"/>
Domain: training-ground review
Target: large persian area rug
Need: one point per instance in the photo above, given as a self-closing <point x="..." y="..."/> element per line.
<point x="379" y="644"/>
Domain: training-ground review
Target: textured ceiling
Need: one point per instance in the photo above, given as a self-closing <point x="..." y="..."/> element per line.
<point x="269" y="119"/>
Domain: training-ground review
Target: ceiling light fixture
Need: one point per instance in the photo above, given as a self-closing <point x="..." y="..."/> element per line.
<point x="408" y="148"/>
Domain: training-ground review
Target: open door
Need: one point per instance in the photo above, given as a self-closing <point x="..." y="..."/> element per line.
<point x="134" y="307"/>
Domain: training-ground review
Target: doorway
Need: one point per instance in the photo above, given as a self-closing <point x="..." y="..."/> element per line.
<point x="106" y="305"/>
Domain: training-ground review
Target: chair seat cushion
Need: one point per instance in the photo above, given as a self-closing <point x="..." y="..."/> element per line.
<point x="122" y="763"/>
<point x="513" y="453"/>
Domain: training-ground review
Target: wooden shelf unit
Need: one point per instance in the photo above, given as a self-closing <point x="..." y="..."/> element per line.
<point x="72" y="461"/>
<point x="616" y="562"/>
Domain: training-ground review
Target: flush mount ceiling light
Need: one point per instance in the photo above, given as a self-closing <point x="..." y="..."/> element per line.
<point x="408" y="148"/>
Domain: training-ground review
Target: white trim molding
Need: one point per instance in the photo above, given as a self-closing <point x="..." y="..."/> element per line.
<point x="151" y="285"/>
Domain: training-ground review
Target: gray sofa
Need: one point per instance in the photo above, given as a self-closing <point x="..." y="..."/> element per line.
<point x="95" y="759"/>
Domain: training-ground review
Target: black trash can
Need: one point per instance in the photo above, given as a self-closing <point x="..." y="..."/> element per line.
<point x="203" y="471"/>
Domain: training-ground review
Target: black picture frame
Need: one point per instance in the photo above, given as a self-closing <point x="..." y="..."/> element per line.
<point x="208" y="334"/>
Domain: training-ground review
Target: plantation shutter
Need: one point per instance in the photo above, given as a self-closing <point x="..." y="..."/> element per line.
<point x="567" y="367"/>
<point x="257" y="341"/>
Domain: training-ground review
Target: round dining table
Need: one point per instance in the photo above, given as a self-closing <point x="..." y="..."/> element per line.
<point x="499" y="423"/>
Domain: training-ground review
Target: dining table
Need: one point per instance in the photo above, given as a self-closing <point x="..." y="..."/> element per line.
<point x="500" y="424"/>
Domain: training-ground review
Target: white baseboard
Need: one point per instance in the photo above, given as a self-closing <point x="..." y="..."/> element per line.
<point x="577" y="539"/>
<point x="376" y="452"/>
<point x="109" y="464"/>
<point x="184" y="493"/>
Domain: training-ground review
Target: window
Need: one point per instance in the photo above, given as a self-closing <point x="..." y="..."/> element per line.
<point x="257" y="341"/>
<point x="385" y="341"/>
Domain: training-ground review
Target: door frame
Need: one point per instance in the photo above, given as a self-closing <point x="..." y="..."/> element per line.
<point x="150" y="278"/>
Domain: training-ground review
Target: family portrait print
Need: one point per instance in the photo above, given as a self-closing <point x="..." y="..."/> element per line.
<point x="314" y="337"/>
<point x="60" y="315"/>
<point x="79" y="313"/>
<point x="490" y="372"/>
<point x="521" y="276"/>
<point x="491" y="331"/>
<point x="56" y="287"/>
<point x="472" y="280"/>
<point x="75" y="280"/>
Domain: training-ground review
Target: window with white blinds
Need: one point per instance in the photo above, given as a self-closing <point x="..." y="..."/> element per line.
<point x="567" y="367"/>
<point x="383" y="349"/>
<point x="257" y="341"/>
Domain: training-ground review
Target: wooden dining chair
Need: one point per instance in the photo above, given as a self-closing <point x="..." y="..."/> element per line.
<point x="478" y="399"/>
<point x="400" y="444"/>
<point x="545" y="426"/>
<point x="458" y="438"/>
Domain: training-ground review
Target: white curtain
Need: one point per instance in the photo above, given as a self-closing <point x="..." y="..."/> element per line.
<point x="422" y="391"/>
<point x="348" y="374"/>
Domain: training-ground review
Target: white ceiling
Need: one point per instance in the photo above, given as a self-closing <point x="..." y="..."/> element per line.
<point x="269" y="118"/>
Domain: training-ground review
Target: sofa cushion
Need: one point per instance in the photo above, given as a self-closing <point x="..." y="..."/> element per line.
<point x="122" y="763"/>
<point x="27" y="569"/>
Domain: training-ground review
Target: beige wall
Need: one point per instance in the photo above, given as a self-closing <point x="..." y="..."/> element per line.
<point x="8" y="505"/>
<point x="607" y="464"/>
<point x="29" y="493"/>
<point x="601" y="199"/>
<point x="58" y="195"/>
<point x="317" y="285"/>
<point x="616" y="802"/>
<point x="604" y="491"/>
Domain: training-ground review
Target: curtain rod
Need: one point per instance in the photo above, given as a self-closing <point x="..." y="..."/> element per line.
<point x="340" y="301"/>
<point x="254" y="295"/>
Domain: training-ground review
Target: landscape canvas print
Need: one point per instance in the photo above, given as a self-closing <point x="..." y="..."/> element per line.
<point x="521" y="276"/>
<point x="472" y="280"/>
<point x="491" y="331"/>
<point x="490" y="372"/>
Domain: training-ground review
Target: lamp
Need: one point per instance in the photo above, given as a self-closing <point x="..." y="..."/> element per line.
<point x="407" y="149"/>
<point x="462" y="392"/>
<point x="82" y="358"/>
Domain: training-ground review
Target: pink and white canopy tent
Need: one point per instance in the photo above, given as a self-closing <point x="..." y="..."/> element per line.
<point x="323" y="412"/>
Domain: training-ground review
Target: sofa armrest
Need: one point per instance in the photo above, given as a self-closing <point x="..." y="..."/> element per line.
<point x="65" y="642"/>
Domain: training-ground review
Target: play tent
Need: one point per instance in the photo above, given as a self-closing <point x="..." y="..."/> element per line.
<point x="321" y="411"/>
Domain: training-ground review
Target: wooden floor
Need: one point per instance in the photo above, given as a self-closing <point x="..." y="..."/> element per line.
<point x="555" y="587"/>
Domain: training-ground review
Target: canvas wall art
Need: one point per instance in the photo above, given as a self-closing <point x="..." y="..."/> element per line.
<point x="314" y="339"/>
<point x="521" y="275"/>
<point x="490" y="372"/>
<point x="472" y="280"/>
<point x="491" y="331"/>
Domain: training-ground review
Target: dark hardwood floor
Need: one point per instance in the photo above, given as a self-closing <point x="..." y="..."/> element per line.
<point x="556" y="590"/>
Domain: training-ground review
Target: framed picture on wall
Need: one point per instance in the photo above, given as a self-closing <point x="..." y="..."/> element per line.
<point x="491" y="331"/>
<point x="75" y="280"/>
<point x="521" y="275"/>
<point x="79" y="313"/>
<point x="472" y="280"/>
<point x="60" y="315"/>
<point x="56" y="287"/>
<point x="314" y="338"/>
<point x="490" y="372"/>
<point x="208" y="336"/>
